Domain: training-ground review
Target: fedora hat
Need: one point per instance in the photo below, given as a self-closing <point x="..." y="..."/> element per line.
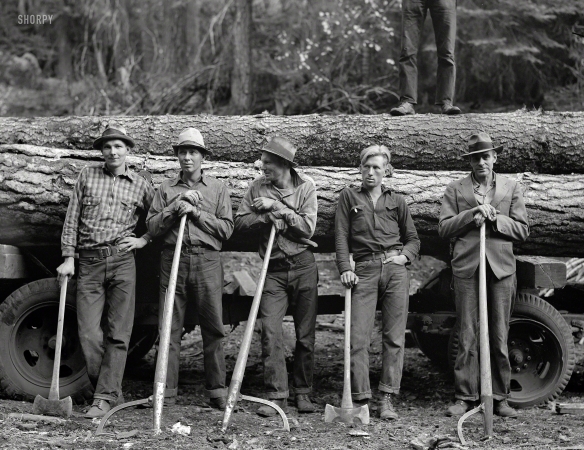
<point x="481" y="142"/>
<point x="190" y="137"/>
<point x="113" y="132"/>
<point x="281" y="147"/>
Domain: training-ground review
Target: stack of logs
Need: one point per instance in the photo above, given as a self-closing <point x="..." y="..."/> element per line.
<point x="40" y="159"/>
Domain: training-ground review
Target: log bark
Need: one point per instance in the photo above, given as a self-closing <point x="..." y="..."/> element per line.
<point x="534" y="141"/>
<point x="35" y="184"/>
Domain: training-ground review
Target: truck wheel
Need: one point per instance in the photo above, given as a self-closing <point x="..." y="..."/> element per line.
<point x="541" y="352"/>
<point x="28" y="324"/>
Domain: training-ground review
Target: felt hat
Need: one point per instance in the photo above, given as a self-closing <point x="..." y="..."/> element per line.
<point x="113" y="132"/>
<point x="481" y="142"/>
<point x="282" y="148"/>
<point x="191" y="137"/>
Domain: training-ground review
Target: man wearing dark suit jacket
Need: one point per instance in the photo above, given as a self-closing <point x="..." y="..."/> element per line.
<point x="483" y="196"/>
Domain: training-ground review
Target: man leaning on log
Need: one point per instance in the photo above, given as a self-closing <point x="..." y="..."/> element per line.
<point x="103" y="211"/>
<point x="206" y="203"/>
<point x="288" y="201"/>
<point x="469" y="202"/>
<point x="375" y="224"/>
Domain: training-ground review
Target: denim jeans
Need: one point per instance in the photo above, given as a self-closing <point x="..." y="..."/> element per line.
<point x="443" y="14"/>
<point x="291" y="281"/>
<point x="390" y="284"/>
<point x="500" y="299"/>
<point x="110" y="281"/>
<point x="200" y="281"/>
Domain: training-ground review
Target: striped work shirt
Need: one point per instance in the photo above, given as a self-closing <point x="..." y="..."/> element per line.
<point x="104" y="208"/>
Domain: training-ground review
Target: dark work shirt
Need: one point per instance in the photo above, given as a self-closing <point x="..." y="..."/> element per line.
<point x="215" y="223"/>
<point x="364" y="229"/>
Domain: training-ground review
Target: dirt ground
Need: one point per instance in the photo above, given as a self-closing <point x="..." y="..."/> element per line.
<point x="426" y="392"/>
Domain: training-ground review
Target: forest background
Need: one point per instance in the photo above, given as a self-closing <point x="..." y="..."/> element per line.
<point x="135" y="57"/>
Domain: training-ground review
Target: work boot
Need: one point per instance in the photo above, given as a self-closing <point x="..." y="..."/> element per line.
<point x="405" y="108"/>
<point x="268" y="411"/>
<point x="99" y="408"/>
<point x="459" y="408"/>
<point x="502" y="409"/>
<point x="219" y="403"/>
<point x="168" y="401"/>
<point x="386" y="410"/>
<point x="304" y="404"/>
<point x="449" y="109"/>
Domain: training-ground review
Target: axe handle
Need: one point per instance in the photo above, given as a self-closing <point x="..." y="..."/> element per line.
<point x="238" y="371"/>
<point x="54" y="391"/>
<point x="162" y="359"/>
<point x="485" y="353"/>
<point x="347" y="402"/>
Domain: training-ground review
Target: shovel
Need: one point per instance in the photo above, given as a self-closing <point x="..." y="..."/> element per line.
<point x="347" y="413"/>
<point x="54" y="406"/>
<point x="239" y="369"/>
<point x="162" y="360"/>
<point x="486" y="405"/>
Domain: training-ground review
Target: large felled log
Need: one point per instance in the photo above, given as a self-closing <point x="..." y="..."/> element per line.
<point x="534" y="141"/>
<point x="35" y="184"/>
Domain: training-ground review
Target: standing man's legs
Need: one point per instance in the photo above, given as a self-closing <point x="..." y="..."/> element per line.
<point x="443" y="13"/>
<point x="304" y="300"/>
<point x="413" y="16"/>
<point x="206" y="285"/>
<point x="363" y="303"/>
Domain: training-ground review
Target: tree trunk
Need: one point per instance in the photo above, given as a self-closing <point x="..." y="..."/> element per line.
<point x="241" y="74"/>
<point x="533" y="141"/>
<point x="192" y="32"/>
<point x="35" y="184"/>
<point x="65" y="61"/>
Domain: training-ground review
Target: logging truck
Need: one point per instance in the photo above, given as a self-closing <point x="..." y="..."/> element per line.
<point x="36" y="181"/>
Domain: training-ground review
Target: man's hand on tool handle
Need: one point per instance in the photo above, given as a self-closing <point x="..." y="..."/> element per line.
<point x="280" y="224"/>
<point x="193" y="196"/>
<point x="483" y="212"/>
<point x="184" y="207"/>
<point x="349" y="279"/>
<point x="67" y="269"/>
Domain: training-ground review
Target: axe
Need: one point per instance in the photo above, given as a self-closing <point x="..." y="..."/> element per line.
<point x="347" y="413"/>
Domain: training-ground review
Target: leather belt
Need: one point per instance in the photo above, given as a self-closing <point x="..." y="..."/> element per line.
<point x="381" y="255"/>
<point x="192" y="249"/>
<point x="101" y="252"/>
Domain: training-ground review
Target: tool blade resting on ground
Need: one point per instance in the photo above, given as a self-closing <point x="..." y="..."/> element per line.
<point x="162" y="360"/>
<point x="54" y="406"/>
<point x="486" y="405"/>
<point x="239" y="369"/>
<point x="347" y="413"/>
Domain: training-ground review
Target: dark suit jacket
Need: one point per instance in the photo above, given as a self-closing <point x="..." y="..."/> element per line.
<point x="456" y="221"/>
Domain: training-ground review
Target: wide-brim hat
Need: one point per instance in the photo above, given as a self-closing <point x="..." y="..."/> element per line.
<point x="481" y="142"/>
<point x="281" y="147"/>
<point x="113" y="132"/>
<point x="191" y="137"/>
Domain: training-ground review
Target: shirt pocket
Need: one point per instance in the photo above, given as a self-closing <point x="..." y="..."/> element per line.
<point x="388" y="220"/>
<point x="358" y="219"/>
<point x="128" y="208"/>
<point x="90" y="207"/>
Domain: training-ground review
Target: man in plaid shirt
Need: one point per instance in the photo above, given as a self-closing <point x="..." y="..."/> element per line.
<point x="104" y="208"/>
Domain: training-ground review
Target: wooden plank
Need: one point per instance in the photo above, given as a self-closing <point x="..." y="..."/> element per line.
<point x="536" y="272"/>
<point x="569" y="408"/>
<point x="247" y="286"/>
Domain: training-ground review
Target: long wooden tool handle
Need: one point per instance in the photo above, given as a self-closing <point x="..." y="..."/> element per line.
<point x="54" y="391"/>
<point x="237" y="377"/>
<point x="347" y="402"/>
<point x="485" y="353"/>
<point x="163" y="346"/>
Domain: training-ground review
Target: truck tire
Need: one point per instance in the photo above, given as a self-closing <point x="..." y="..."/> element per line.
<point x="541" y="352"/>
<point x="434" y="346"/>
<point x="143" y="339"/>
<point x="28" y="321"/>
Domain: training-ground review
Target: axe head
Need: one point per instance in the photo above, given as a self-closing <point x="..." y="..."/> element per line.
<point x="59" y="408"/>
<point x="350" y="416"/>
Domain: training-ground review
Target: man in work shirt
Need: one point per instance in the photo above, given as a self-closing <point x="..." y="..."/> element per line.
<point x="469" y="202"/>
<point x="205" y="200"/>
<point x="103" y="211"/>
<point x="283" y="198"/>
<point x="375" y="223"/>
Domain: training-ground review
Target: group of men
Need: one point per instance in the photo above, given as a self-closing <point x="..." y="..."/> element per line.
<point x="372" y="222"/>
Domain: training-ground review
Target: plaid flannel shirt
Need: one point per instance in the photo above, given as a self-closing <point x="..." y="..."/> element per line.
<point x="104" y="208"/>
